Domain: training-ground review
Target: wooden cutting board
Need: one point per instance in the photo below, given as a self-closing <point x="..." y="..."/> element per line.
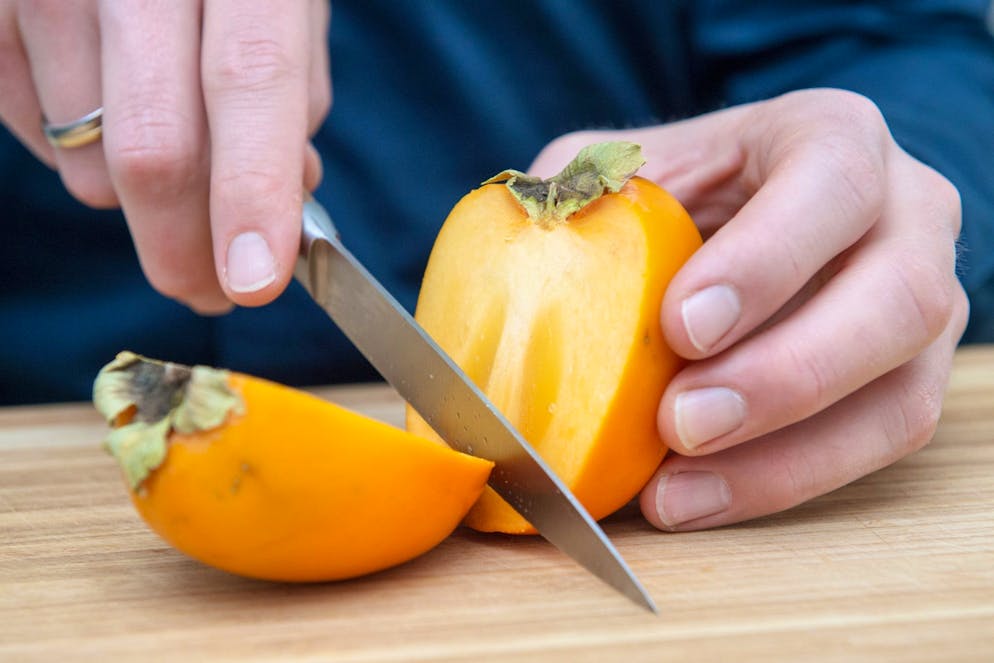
<point x="898" y="566"/>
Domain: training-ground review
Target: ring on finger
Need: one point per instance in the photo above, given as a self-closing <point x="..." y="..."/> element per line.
<point x="77" y="133"/>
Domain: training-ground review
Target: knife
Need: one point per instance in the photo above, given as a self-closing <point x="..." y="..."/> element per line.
<point x="424" y="376"/>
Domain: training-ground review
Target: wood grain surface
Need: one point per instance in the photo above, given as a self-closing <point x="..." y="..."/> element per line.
<point x="898" y="566"/>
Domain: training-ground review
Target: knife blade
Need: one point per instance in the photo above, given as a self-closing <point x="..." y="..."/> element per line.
<point x="427" y="378"/>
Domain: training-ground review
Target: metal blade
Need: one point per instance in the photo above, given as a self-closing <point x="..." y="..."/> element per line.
<point x="425" y="376"/>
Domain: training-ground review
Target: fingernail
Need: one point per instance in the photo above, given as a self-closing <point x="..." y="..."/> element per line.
<point x="250" y="263"/>
<point x="704" y="414"/>
<point x="687" y="496"/>
<point x="709" y="314"/>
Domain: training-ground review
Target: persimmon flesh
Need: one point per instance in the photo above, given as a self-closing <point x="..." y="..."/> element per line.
<point x="556" y="319"/>
<point x="291" y="487"/>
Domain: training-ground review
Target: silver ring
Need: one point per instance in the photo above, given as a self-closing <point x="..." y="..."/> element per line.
<point x="77" y="133"/>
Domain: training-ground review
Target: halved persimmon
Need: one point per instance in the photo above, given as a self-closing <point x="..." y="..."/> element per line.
<point x="548" y="293"/>
<point x="270" y="482"/>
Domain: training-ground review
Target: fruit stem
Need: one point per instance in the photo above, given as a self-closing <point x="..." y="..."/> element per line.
<point x="596" y="169"/>
<point x="146" y="400"/>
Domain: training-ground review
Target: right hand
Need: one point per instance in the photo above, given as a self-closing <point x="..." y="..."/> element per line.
<point x="207" y="112"/>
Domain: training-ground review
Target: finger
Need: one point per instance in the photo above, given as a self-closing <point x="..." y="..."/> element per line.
<point x="62" y="40"/>
<point x="887" y="420"/>
<point x="319" y="71"/>
<point x="255" y="77"/>
<point x="19" y="107"/>
<point x="819" y="191"/>
<point x="888" y="301"/>
<point x="313" y="168"/>
<point x="155" y="138"/>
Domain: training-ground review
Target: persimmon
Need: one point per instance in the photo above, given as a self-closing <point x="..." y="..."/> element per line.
<point x="548" y="293"/>
<point x="266" y="481"/>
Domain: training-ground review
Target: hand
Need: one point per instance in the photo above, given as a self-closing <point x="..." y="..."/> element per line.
<point x="821" y="314"/>
<point x="207" y="111"/>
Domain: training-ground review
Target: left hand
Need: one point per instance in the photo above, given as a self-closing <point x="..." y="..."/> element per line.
<point x="821" y="314"/>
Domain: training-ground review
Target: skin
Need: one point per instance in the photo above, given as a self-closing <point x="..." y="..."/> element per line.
<point x="200" y="144"/>
<point x="840" y="249"/>
<point x="822" y="343"/>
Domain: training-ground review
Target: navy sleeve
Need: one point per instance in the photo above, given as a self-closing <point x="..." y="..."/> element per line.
<point x="927" y="64"/>
<point x="431" y="98"/>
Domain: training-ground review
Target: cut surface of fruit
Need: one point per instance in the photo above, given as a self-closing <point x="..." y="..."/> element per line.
<point x="558" y="323"/>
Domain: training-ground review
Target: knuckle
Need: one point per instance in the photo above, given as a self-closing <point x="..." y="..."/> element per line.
<point x="860" y="173"/>
<point x="153" y="152"/>
<point x="249" y="61"/>
<point x="961" y="311"/>
<point x="250" y="186"/>
<point x="797" y="476"/>
<point x="942" y="199"/>
<point x="928" y="297"/>
<point x="860" y="110"/>
<point x="812" y="378"/>
<point x="846" y="134"/>
<point x="946" y="194"/>
<point x="854" y="112"/>
<point x="918" y="411"/>
<point x="858" y="113"/>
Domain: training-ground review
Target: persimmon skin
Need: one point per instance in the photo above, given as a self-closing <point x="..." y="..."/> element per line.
<point x="299" y="489"/>
<point x="559" y="324"/>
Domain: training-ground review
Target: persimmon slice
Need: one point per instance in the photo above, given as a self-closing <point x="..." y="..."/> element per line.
<point x="555" y="315"/>
<point x="279" y="484"/>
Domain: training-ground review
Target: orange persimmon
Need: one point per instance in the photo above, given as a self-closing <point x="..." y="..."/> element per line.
<point x="270" y="482"/>
<point x="548" y="293"/>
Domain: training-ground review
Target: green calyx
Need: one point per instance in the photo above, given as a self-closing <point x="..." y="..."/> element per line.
<point x="164" y="397"/>
<point x="597" y="169"/>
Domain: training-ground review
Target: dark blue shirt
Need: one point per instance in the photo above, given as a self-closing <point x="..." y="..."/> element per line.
<point x="433" y="97"/>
